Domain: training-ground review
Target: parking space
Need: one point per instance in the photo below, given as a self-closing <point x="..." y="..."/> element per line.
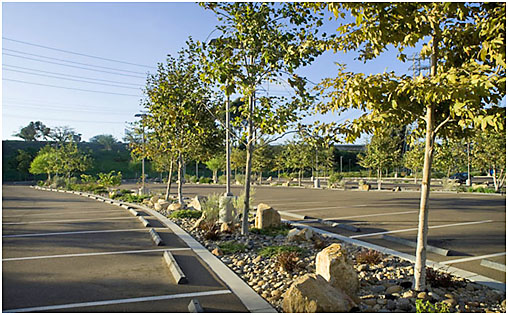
<point x="68" y="253"/>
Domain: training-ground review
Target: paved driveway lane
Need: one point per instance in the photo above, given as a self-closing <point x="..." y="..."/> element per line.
<point x="76" y="266"/>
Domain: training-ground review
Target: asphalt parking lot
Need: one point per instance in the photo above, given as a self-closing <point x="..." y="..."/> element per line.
<point x="471" y="226"/>
<point x="68" y="253"/>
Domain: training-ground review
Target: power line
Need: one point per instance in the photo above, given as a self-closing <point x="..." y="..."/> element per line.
<point x="64" y="109"/>
<point x="62" y="64"/>
<point x="68" y="88"/>
<point x="77" y="80"/>
<point x="38" y="102"/>
<point x="74" y="62"/>
<point x="72" y="76"/>
<point x="73" y="120"/>
<point x="79" y="54"/>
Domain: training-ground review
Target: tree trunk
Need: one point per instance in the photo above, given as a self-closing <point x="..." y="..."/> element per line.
<point x="180" y="178"/>
<point x="197" y="169"/>
<point x="248" y="169"/>
<point x="379" y="174"/>
<point x="215" y="176"/>
<point x="168" y="187"/>
<point x="260" y="178"/>
<point x="278" y="175"/>
<point x="494" y="178"/>
<point x="300" y="177"/>
<point x="423" y="220"/>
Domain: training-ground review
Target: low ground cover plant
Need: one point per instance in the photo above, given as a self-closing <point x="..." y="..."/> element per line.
<point x="271" y="251"/>
<point x="427" y="307"/>
<point x="232" y="247"/>
<point x="182" y="214"/>
<point x="287" y="261"/>
<point x="437" y="278"/>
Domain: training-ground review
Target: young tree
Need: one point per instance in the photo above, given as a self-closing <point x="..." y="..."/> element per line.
<point x="413" y="158"/>
<point x="382" y="152"/>
<point x="106" y="140"/>
<point x="261" y="42"/>
<point x="467" y="49"/>
<point x="215" y="164"/>
<point x="69" y="159"/>
<point x="451" y="156"/>
<point x="262" y="159"/>
<point x="178" y="108"/>
<point x="35" y="131"/>
<point x="298" y="156"/>
<point x="489" y="154"/>
<point x="43" y="163"/>
<point x="237" y="159"/>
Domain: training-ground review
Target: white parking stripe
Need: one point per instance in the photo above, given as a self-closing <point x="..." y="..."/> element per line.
<point x="324" y="208"/>
<point x="415" y="229"/>
<point x="456" y="261"/>
<point x="94" y="254"/>
<point x="69" y="220"/>
<point x="370" y="215"/>
<point x="121" y="301"/>
<point x="61" y="213"/>
<point x="298" y="202"/>
<point x="68" y="233"/>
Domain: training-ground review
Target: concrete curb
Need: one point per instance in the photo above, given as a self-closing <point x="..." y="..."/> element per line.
<point x="430" y="248"/>
<point x="144" y="221"/>
<point x="493" y="265"/>
<point x="174" y="268"/>
<point x="134" y="212"/>
<point x="491" y="283"/>
<point x="156" y="237"/>
<point x="297" y="216"/>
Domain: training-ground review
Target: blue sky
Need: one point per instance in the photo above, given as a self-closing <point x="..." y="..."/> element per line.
<point x="139" y="33"/>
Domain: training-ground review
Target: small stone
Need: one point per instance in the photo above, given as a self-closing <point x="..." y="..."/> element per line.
<point x="408" y="294"/>
<point x="261" y="282"/>
<point x="422" y="296"/>
<point x="217" y="252"/>
<point x="404" y="304"/>
<point x="393" y="289"/>
<point x="469" y="287"/>
<point x="240" y="263"/>
<point x="391" y="305"/>
<point x="381" y="301"/>
<point x="370" y="302"/>
<point x="257" y="259"/>
<point x="449" y="295"/>
<point x="450" y="302"/>
<point x="377" y="288"/>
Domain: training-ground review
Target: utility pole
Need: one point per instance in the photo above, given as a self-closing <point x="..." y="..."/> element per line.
<point x="341" y="163"/>
<point x="143" y="160"/>
<point x="228" y="151"/>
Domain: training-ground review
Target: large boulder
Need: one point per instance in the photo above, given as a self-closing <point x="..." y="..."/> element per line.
<point x="333" y="264"/>
<point x="311" y="293"/>
<point x="161" y="204"/>
<point x="154" y="199"/>
<point x="226" y="209"/>
<point x="266" y="217"/>
<point x="296" y="235"/>
<point x="175" y="206"/>
<point x="197" y="202"/>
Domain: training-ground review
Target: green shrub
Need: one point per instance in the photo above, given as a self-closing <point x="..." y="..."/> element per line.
<point x="481" y="190"/>
<point x="210" y="207"/>
<point x="132" y="198"/>
<point x="335" y="178"/>
<point x="205" y="180"/>
<point x="240" y="178"/>
<point x="232" y="247"/>
<point x="88" y="179"/>
<point x="270" y="251"/>
<point x="57" y="182"/>
<point x="222" y="179"/>
<point x="427" y="307"/>
<point x="185" y="214"/>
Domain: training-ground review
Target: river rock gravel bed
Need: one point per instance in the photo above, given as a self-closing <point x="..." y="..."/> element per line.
<point x="384" y="287"/>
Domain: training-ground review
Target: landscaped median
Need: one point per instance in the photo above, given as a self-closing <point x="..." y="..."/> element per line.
<point x="299" y="270"/>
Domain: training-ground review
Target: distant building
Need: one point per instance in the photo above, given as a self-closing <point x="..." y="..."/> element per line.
<point x="350" y="147"/>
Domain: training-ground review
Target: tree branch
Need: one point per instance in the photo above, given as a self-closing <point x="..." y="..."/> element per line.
<point x="442" y="124"/>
